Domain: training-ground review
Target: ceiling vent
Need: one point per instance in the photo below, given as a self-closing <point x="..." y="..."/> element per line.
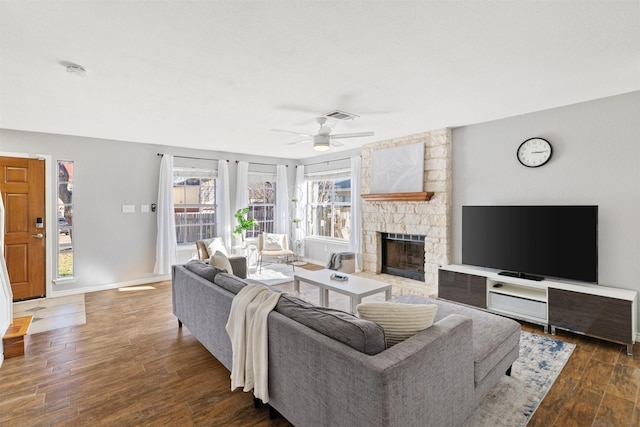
<point x="341" y="115"/>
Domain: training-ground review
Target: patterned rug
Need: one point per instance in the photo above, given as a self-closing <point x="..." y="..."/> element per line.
<point x="515" y="398"/>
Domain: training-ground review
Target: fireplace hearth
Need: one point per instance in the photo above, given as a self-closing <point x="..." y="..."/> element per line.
<point x="403" y="255"/>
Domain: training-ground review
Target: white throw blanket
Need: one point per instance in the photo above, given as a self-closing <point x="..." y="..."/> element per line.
<point x="247" y="328"/>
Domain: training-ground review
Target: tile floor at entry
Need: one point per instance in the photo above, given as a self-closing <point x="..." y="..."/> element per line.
<point x="52" y="313"/>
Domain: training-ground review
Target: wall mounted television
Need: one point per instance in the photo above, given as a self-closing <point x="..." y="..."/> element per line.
<point x="533" y="242"/>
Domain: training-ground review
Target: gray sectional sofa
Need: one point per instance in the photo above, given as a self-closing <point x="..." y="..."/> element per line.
<point x="330" y="368"/>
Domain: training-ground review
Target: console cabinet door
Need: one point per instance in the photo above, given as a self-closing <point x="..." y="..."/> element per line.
<point x="594" y="315"/>
<point x="464" y="288"/>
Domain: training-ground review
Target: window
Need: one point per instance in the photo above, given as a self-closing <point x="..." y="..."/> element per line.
<point x="262" y="202"/>
<point x="329" y="205"/>
<point x="65" y="219"/>
<point x="194" y="201"/>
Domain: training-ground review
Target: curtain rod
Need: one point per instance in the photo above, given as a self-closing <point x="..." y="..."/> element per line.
<point x="261" y="164"/>
<point x="194" y="158"/>
<point x="326" y="161"/>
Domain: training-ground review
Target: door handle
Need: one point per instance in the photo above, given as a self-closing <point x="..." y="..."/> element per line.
<point x="38" y="236"/>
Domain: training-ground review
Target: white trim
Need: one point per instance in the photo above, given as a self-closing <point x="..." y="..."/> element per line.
<point x="63" y="280"/>
<point x="135" y="282"/>
<point x="332" y="240"/>
<point x="333" y="174"/>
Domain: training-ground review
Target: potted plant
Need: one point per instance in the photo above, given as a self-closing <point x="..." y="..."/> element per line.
<point x="244" y="224"/>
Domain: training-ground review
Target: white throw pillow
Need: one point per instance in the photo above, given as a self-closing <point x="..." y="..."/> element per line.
<point x="399" y="321"/>
<point x="273" y="242"/>
<point x="220" y="260"/>
<point x="217" y="244"/>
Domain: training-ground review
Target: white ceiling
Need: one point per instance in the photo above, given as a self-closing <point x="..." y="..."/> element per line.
<point x="220" y="75"/>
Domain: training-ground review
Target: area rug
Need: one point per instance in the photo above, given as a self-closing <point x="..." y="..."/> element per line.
<point x="273" y="274"/>
<point x="515" y="398"/>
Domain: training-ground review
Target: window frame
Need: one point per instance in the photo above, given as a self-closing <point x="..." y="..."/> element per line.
<point x="66" y="225"/>
<point x="206" y="228"/>
<point x="265" y="224"/>
<point x="312" y="204"/>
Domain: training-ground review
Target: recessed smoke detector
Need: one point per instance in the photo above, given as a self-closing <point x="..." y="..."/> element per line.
<point x="76" y="69"/>
<point x="340" y="115"/>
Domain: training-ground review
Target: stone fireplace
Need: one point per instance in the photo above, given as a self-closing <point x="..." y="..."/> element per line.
<point x="428" y="219"/>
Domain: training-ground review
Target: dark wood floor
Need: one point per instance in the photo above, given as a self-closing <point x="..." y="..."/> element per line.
<point x="131" y="365"/>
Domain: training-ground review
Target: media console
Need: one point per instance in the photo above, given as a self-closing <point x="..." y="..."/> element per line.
<point x="594" y="310"/>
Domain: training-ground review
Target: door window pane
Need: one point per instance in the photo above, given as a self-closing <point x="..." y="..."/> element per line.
<point x="65" y="219"/>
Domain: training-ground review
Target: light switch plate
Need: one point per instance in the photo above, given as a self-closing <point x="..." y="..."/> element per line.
<point x="144" y="208"/>
<point x="128" y="208"/>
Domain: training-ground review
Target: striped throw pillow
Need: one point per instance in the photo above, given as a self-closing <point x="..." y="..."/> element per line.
<point x="399" y="321"/>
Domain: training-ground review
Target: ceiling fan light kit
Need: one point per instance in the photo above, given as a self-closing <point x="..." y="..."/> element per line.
<point x="324" y="140"/>
<point x="321" y="142"/>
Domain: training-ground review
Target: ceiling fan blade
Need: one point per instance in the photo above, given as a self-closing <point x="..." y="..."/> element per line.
<point x="351" y="135"/>
<point x="299" y="142"/>
<point x="295" y="133"/>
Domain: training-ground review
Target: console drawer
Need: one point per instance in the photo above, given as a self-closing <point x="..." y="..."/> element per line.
<point x="517" y="305"/>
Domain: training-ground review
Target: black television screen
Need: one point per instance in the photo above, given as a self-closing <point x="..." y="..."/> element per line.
<point x="530" y="241"/>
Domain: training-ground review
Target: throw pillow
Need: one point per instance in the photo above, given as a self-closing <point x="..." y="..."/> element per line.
<point x="220" y="260"/>
<point x="216" y="244"/>
<point x="273" y="242"/>
<point x="399" y="321"/>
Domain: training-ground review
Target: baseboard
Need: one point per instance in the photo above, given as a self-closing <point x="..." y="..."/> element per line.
<point x="314" y="261"/>
<point x="136" y="282"/>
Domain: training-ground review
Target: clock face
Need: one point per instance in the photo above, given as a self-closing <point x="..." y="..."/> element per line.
<point x="534" y="152"/>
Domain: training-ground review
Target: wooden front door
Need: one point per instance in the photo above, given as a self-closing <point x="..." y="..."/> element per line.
<point x="22" y="187"/>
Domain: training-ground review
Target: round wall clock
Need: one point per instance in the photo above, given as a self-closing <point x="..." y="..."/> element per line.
<point x="534" y="152"/>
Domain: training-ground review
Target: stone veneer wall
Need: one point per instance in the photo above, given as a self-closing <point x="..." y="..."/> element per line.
<point x="431" y="219"/>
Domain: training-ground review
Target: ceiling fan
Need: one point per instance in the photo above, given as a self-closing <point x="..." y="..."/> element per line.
<point x="324" y="139"/>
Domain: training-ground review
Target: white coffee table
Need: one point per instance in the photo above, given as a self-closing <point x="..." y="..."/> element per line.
<point x="356" y="287"/>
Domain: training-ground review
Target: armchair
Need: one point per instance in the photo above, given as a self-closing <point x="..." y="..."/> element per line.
<point x="207" y="247"/>
<point x="274" y="245"/>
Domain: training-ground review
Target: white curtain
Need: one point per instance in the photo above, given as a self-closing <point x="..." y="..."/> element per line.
<point x="6" y="295"/>
<point x="355" y="226"/>
<point x="242" y="185"/>
<point x="298" y="234"/>
<point x="166" y="245"/>
<point x="281" y="222"/>
<point x="223" y="201"/>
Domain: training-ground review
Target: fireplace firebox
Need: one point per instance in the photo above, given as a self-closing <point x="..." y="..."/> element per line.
<point x="403" y="255"/>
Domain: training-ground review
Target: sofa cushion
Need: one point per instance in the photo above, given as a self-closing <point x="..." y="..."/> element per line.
<point x="359" y="334"/>
<point x="493" y="336"/>
<point x="399" y="321"/>
<point x="203" y="269"/>
<point x="229" y="282"/>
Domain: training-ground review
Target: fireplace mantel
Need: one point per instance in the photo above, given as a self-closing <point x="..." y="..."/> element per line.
<point x="420" y="196"/>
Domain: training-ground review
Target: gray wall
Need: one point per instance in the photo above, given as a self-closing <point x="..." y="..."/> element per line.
<point x="112" y="247"/>
<point x="596" y="160"/>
